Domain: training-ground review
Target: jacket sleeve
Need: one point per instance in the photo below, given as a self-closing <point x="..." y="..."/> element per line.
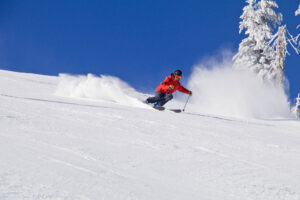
<point x="182" y="89"/>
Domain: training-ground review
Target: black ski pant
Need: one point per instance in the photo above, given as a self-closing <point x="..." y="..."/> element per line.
<point x="160" y="98"/>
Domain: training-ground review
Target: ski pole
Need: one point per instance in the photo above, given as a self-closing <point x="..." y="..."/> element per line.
<point x="186" y="103"/>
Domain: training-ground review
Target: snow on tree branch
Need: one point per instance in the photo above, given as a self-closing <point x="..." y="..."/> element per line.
<point x="293" y="41"/>
<point x="297" y="11"/>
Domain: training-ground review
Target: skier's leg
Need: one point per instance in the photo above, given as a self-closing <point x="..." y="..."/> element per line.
<point x="156" y="98"/>
<point x="165" y="99"/>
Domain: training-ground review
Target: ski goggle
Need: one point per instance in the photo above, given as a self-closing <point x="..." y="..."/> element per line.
<point x="177" y="76"/>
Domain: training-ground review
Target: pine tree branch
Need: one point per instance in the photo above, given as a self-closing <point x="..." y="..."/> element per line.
<point x="293" y="40"/>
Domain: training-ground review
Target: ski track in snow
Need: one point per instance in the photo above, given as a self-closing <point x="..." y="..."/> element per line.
<point x="62" y="148"/>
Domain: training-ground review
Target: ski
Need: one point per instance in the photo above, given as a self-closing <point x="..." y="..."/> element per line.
<point x="160" y="108"/>
<point x="175" y="110"/>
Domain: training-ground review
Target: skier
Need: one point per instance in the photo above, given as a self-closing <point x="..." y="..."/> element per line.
<point x="164" y="91"/>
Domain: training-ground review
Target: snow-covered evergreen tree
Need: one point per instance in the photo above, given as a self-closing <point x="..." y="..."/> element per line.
<point x="280" y="41"/>
<point x="255" y="52"/>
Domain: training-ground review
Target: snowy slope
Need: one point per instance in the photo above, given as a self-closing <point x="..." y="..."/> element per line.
<point x="55" y="147"/>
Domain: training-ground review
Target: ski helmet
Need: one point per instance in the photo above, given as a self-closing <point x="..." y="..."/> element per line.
<point x="178" y="72"/>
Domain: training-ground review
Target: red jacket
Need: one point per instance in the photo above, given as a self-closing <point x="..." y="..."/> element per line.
<point x="170" y="80"/>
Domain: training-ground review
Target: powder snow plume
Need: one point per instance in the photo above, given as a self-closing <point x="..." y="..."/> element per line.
<point x="219" y="89"/>
<point x="103" y="87"/>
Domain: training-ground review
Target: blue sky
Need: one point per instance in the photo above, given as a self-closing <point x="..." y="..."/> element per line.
<point x="139" y="41"/>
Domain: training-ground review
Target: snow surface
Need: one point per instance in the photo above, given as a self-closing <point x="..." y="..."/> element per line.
<point x="219" y="89"/>
<point x="61" y="138"/>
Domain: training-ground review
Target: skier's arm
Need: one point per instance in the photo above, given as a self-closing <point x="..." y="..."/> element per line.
<point x="183" y="90"/>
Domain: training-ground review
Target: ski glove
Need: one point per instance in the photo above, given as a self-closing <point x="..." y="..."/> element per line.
<point x="171" y="87"/>
<point x="190" y="93"/>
